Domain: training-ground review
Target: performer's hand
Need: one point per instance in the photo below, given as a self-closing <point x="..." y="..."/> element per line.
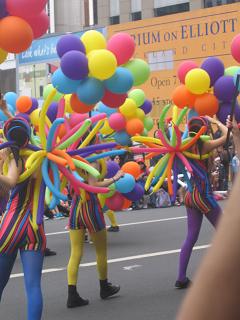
<point x="233" y="125"/>
<point x="3" y="104"/>
<point x="118" y="175"/>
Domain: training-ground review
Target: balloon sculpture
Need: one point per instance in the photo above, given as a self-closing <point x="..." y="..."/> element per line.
<point x="21" y="21"/>
<point x="175" y="155"/>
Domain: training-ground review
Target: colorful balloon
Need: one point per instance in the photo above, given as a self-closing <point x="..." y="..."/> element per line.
<point x="206" y="104"/>
<point x="69" y="42"/>
<point x="39" y="24"/>
<point x="125" y="184"/>
<point x="122" y="45"/>
<point x="102" y="64"/>
<point x="214" y="67"/>
<point x="182" y="97"/>
<point x="138" y="96"/>
<point x="116" y="202"/>
<point x="120" y="82"/>
<point x="93" y="40"/>
<point x="23" y="104"/>
<point x="90" y="91"/>
<point x="25" y="8"/>
<point x="224" y="88"/>
<point x="147" y="106"/>
<point x="132" y="168"/>
<point x="79" y="106"/>
<point x="113" y="100"/>
<point x="117" y="122"/>
<point x="183" y="69"/>
<point x="197" y="81"/>
<point x="140" y="71"/>
<point x="235" y="45"/>
<point x="74" y="65"/>
<point x="129" y="108"/>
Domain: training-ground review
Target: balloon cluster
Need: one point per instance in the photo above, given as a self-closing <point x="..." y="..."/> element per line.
<point x="95" y="71"/>
<point x="125" y="190"/>
<point x="175" y="157"/>
<point x="210" y="89"/>
<point x="21" y="21"/>
<point x="10" y="98"/>
<point x="61" y="160"/>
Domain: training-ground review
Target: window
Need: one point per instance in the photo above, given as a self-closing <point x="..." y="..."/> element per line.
<point x="160" y="60"/>
<point x="115" y="20"/>
<point x="136" y="6"/>
<point x="213" y="3"/>
<point x="163" y="11"/>
<point x="136" y="16"/>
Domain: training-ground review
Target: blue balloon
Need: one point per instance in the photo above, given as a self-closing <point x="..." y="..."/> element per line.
<point x="122" y="138"/>
<point x="120" y="82"/>
<point x="11" y="98"/>
<point x="3" y="117"/>
<point x="11" y="109"/>
<point x="125" y="184"/>
<point x="63" y="84"/>
<point x="102" y="108"/>
<point x="90" y="91"/>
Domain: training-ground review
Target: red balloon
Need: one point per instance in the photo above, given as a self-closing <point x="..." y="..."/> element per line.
<point x="116" y="202"/>
<point x="78" y="106"/>
<point x="113" y="100"/>
<point x="182" y="97"/>
<point x="235" y="48"/>
<point x="39" y="24"/>
<point x="16" y="35"/>
<point x="183" y="69"/>
<point x="122" y="45"/>
<point x="206" y="104"/>
<point x="126" y="204"/>
<point x="25" y="8"/>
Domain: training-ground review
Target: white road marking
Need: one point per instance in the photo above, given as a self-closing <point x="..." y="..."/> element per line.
<point x="131" y="268"/>
<point x="130" y="258"/>
<point x="128" y="224"/>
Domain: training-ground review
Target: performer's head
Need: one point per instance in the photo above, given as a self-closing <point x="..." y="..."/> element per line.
<point x="195" y="124"/>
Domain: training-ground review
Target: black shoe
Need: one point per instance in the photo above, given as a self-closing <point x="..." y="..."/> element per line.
<point x="183" y="284"/>
<point x="113" y="229"/>
<point x="74" y="299"/>
<point x="48" y="252"/>
<point x="107" y="289"/>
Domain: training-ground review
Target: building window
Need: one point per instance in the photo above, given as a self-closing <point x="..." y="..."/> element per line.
<point x="114" y="20"/>
<point x="136" y="16"/>
<point x="136" y="6"/>
<point x="114" y="8"/>
<point x="214" y="3"/>
<point x="163" y="11"/>
<point x="160" y="60"/>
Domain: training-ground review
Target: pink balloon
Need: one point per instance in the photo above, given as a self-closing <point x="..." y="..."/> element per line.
<point x="123" y="47"/>
<point x="76" y="118"/>
<point x="39" y="24"/>
<point x="235" y="48"/>
<point x="117" y="122"/>
<point x="25" y="8"/>
<point x="183" y="69"/>
<point x="116" y="202"/>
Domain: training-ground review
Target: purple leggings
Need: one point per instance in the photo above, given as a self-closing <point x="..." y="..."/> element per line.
<point x="194" y="218"/>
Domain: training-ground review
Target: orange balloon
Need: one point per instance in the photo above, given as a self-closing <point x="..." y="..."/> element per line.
<point x="206" y="104"/>
<point x="16" y="35"/>
<point x="132" y="168"/>
<point x="182" y="97"/>
<point x="134" y="126"/>
<point x="126" y="203"/>
<point x="23" y="104"/>
<point x="62" y="130"/>
<point x="78" y="106"/>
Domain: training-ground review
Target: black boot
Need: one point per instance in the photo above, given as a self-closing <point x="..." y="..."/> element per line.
<point x="183" y="284"/>
<point x="74" y="300"/>
<point x="107" y="289"/>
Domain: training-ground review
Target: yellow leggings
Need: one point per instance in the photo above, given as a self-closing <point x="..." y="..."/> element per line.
<point x="99" y="240"/>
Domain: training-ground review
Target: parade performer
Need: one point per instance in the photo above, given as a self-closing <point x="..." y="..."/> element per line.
<point x="16" y="230"/>
<point x="86" y="213"/>
<point x="199" y="201"/>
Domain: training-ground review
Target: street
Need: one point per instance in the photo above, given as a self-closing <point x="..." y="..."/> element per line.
<point x="143" y="259"/>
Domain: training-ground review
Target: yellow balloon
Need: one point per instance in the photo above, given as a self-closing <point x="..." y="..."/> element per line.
<point x="93" y="40"/>
<point x="34" y="117"/>
<point x="140" y="114"/>
<point x="129" y="108"/>
<point x="106" y="129"/>
<point x="102" y="64"/>
<point x="3" y="55"/>
<point x="197" y="81"/>
<point x="68" y="107"/>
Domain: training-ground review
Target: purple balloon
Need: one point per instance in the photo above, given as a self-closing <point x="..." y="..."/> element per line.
<point x="237" y="113"/>
<point x="74" y="65"/>
<point x="3" y="9"/>
<point x="52" y="111"/>
<point x="214" y="67"/>
<point x="224" y="88"/>
<point x="112" y="169"/>
<point x="147" y="106"/>
<point x="34" y="106"/>
<point x="136" y="194"/>
<point x="24" y="116"/>
<point x="68" y="43"/>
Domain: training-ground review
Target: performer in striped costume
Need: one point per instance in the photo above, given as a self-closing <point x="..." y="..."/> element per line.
<point x="199" y="200"/>
<point x="16" y="229"/>
<point x="86" y="213"/>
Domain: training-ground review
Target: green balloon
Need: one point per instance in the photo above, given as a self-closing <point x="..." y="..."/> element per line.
<point x="48" y="89"/>
<point x="231" y="71"/>
<point x="148" y="123"/>
<point x="139" y="69"/>
<point x="138" y="96"/>
<point x="112" y="189"/>
<point x="144" y="133"/>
